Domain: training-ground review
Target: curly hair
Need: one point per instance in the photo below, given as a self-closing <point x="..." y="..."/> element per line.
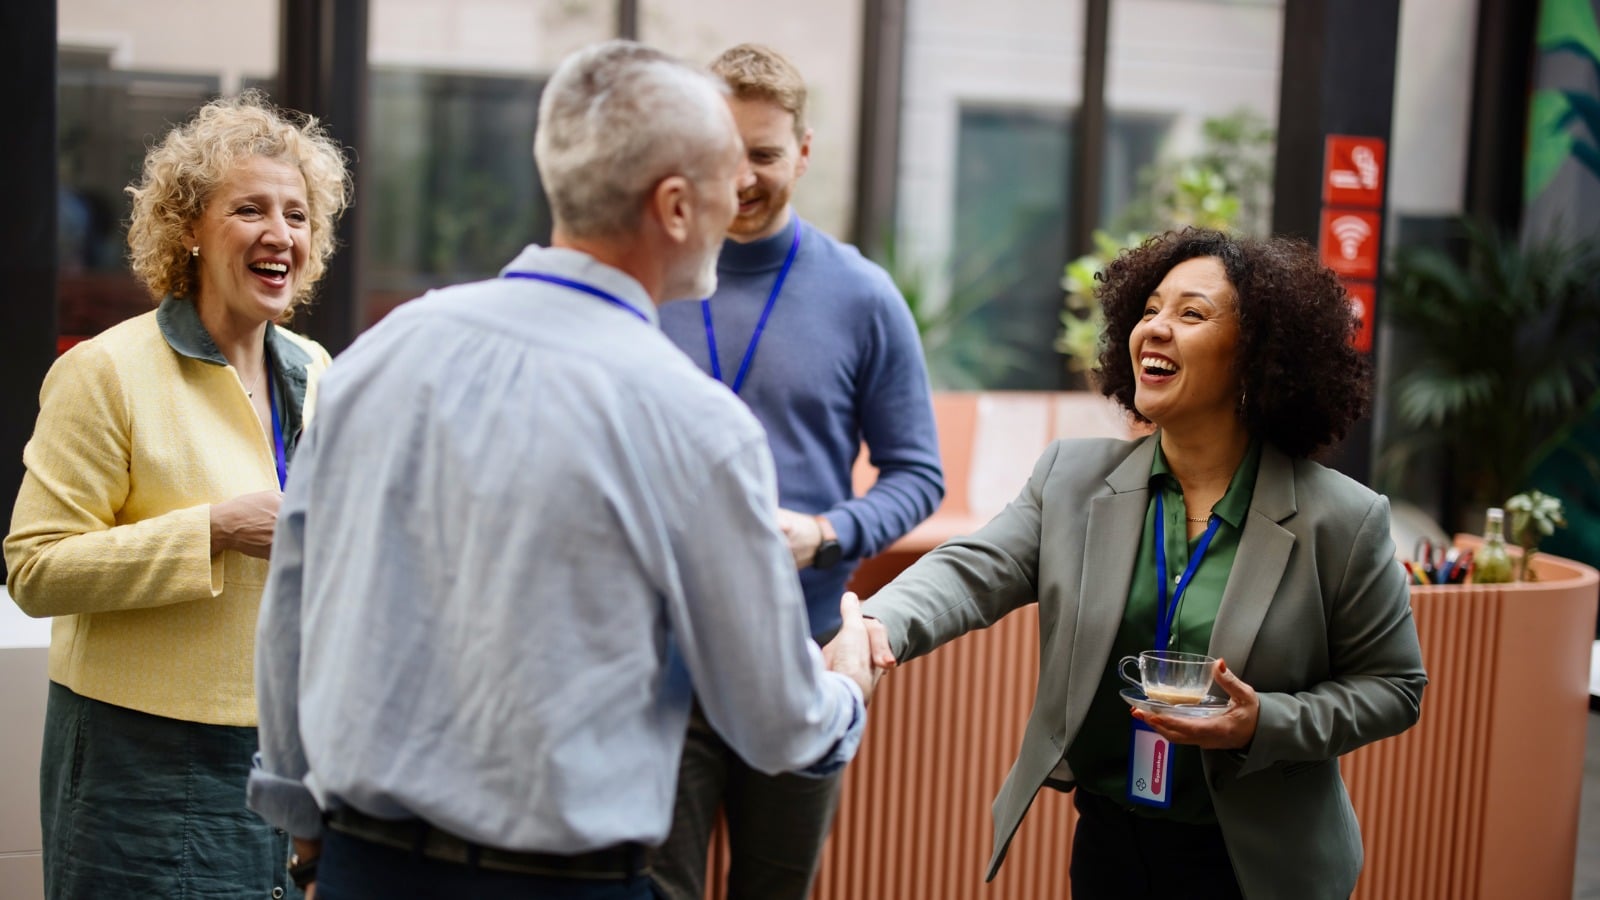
<point x="1304" y="383"/>
<point x="184" y="169"/>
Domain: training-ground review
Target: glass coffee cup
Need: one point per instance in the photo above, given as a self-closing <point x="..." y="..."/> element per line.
<point x="1171" y="677"/>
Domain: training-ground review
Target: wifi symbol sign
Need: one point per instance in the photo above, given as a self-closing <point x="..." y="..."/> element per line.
<point x="1350" y="241"/>
<point x="1351" y="232"/>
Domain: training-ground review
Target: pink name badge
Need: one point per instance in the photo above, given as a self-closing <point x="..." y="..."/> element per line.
<point x="1149" y="768"/>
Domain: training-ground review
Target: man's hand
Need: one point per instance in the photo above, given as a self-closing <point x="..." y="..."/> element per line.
<point x="850" y="652"/>
<point x="804" y="535"/>
<point x="1233" y="730"/>
<point x="306" y="850"/>
<point x="245" y="523"/>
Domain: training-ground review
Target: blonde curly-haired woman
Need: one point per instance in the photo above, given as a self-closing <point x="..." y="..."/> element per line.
<point x="145" y="519"/>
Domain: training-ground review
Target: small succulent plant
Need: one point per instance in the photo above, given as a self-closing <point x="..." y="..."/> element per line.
<point x="1534" y="516"/>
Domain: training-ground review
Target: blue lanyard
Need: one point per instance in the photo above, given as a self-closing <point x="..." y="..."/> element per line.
<point x="278" y="454"/>
<point x="772" y="299"/>
<point x="1166" y="615"/>
<point x="582" y="287"/>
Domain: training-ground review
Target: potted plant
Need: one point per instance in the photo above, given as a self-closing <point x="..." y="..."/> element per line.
<point x="1498" y="361"/>
<point x="1535" y="515"/>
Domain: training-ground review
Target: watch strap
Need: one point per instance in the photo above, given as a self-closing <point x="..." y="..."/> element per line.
<point x="303" y="871"/>
<point x="828" y="550"/>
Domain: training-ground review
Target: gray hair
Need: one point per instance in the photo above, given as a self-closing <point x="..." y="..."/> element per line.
<point x="614" y="120"/>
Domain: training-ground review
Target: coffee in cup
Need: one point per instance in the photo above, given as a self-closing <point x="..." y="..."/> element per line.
<point x="1171" y="677"/>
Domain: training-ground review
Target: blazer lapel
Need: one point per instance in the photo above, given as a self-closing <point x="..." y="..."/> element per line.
<point x="1115" y="522"/>
<point x="1258" y="567"/>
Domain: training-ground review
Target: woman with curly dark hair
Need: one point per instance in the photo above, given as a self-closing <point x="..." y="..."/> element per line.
<point x="1215" y="536"/>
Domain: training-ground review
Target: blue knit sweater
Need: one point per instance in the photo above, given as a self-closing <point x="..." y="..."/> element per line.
<point x="838" y="364"/>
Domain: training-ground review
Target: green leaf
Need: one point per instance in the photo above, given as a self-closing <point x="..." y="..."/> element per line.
<point x="1589" y="155"/>
<point x="1582" y="107"/>
<point x="1430" y="396"/>
<point x="1568" y="24"/>
<point x="1549" y="142"/>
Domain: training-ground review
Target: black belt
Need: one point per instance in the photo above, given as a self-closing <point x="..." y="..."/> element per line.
<point x="617" y="863"/>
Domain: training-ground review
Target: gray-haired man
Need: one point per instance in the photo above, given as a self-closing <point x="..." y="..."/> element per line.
<point x="523" y="527"/>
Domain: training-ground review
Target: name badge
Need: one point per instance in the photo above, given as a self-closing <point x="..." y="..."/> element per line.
<point x="1149" y="768"/>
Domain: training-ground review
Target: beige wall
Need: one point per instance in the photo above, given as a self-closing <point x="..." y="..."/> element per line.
<point x="22" y="671"/>
<point x="1194" y="60"/>
<point x="231" y="38"/>
<point x="1432" y="108"/>
<point x="513" y="37"/>
<point x="1189" y="59"/>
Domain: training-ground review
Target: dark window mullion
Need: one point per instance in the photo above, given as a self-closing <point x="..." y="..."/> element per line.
<point x="1089" y="154"/>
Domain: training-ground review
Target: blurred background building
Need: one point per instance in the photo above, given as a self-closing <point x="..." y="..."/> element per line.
<point x="976" y="149"/>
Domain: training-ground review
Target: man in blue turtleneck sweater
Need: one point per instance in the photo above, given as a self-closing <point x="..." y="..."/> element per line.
<point x="821" y="346"/>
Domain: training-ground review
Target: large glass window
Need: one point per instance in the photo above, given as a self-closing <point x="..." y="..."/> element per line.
<point x="1011" y="236"/>
<point x="1206" y="72"/>
<point x="1009" y="244"/>
<point x="450" y="197"/>
<point x="124" y="78"/>
<point x="450" y="190"/>
<point x="986" y="148"/>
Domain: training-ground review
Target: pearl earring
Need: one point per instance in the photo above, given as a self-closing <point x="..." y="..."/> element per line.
<point x="195" y="250"/>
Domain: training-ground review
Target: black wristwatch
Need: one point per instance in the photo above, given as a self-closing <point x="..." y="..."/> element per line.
<point x="303" y="871"/>
<point x="828" y="552"/>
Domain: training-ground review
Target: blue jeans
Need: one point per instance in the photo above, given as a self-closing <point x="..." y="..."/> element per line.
<point x="353" y="869"/>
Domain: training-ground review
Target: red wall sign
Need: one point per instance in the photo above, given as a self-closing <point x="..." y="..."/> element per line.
<point x="1349" y="242"/>
<point x="1364" y="307"/>
<point x="1352" y="171"/>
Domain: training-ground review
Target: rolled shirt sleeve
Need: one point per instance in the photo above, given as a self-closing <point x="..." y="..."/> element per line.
<point x="740" y="624"/>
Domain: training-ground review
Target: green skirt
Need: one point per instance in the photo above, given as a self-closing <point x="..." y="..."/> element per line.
<point x="136" y="805"/>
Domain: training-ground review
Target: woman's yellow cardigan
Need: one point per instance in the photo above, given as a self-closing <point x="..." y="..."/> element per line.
<point x="138" y="434"/>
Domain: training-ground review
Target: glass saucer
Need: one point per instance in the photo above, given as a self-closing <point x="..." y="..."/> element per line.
<point x="1211" y="706"/>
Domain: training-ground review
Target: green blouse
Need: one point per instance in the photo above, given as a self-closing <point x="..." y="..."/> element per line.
<point x="1099" y="755"/>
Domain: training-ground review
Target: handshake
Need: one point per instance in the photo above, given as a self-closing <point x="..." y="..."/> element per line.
<point x="860" y="650"/>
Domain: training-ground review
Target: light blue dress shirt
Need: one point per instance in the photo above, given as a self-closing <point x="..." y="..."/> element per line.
<point x="522" y="528"/>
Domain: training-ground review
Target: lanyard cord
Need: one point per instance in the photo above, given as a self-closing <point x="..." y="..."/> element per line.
<point x="761" y="324"/>
<point x="1167" y="614"/>
<point x="581" y="287"/>
<point x="280" y="458"/>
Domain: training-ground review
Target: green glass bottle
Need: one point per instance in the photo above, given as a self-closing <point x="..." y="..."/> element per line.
<point x="1491" y="563"/>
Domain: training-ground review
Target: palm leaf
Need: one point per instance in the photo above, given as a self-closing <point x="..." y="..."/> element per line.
<point x="1503" y="355"/>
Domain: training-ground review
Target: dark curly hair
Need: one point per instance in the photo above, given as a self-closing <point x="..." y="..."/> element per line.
<point x="1304" y="382"/>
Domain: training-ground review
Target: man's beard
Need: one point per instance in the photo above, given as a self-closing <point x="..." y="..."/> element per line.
<point x="705" y="282"/>
<point x="772" y="205"/>
<point x="698" y="283"/>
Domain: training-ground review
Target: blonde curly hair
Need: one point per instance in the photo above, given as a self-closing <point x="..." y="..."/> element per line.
<point x="181" y="172"/>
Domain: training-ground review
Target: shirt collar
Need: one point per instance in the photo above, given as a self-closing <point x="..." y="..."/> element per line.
<point x="580" y="266"/>
<point x="1236" y="502"/>
<point x="180" y="324"/>
<point x="179" y="321"/>
<point x="764" y="255"/>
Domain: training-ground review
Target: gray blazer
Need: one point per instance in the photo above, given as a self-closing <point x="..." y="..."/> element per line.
<point x="1316" y="618"/>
